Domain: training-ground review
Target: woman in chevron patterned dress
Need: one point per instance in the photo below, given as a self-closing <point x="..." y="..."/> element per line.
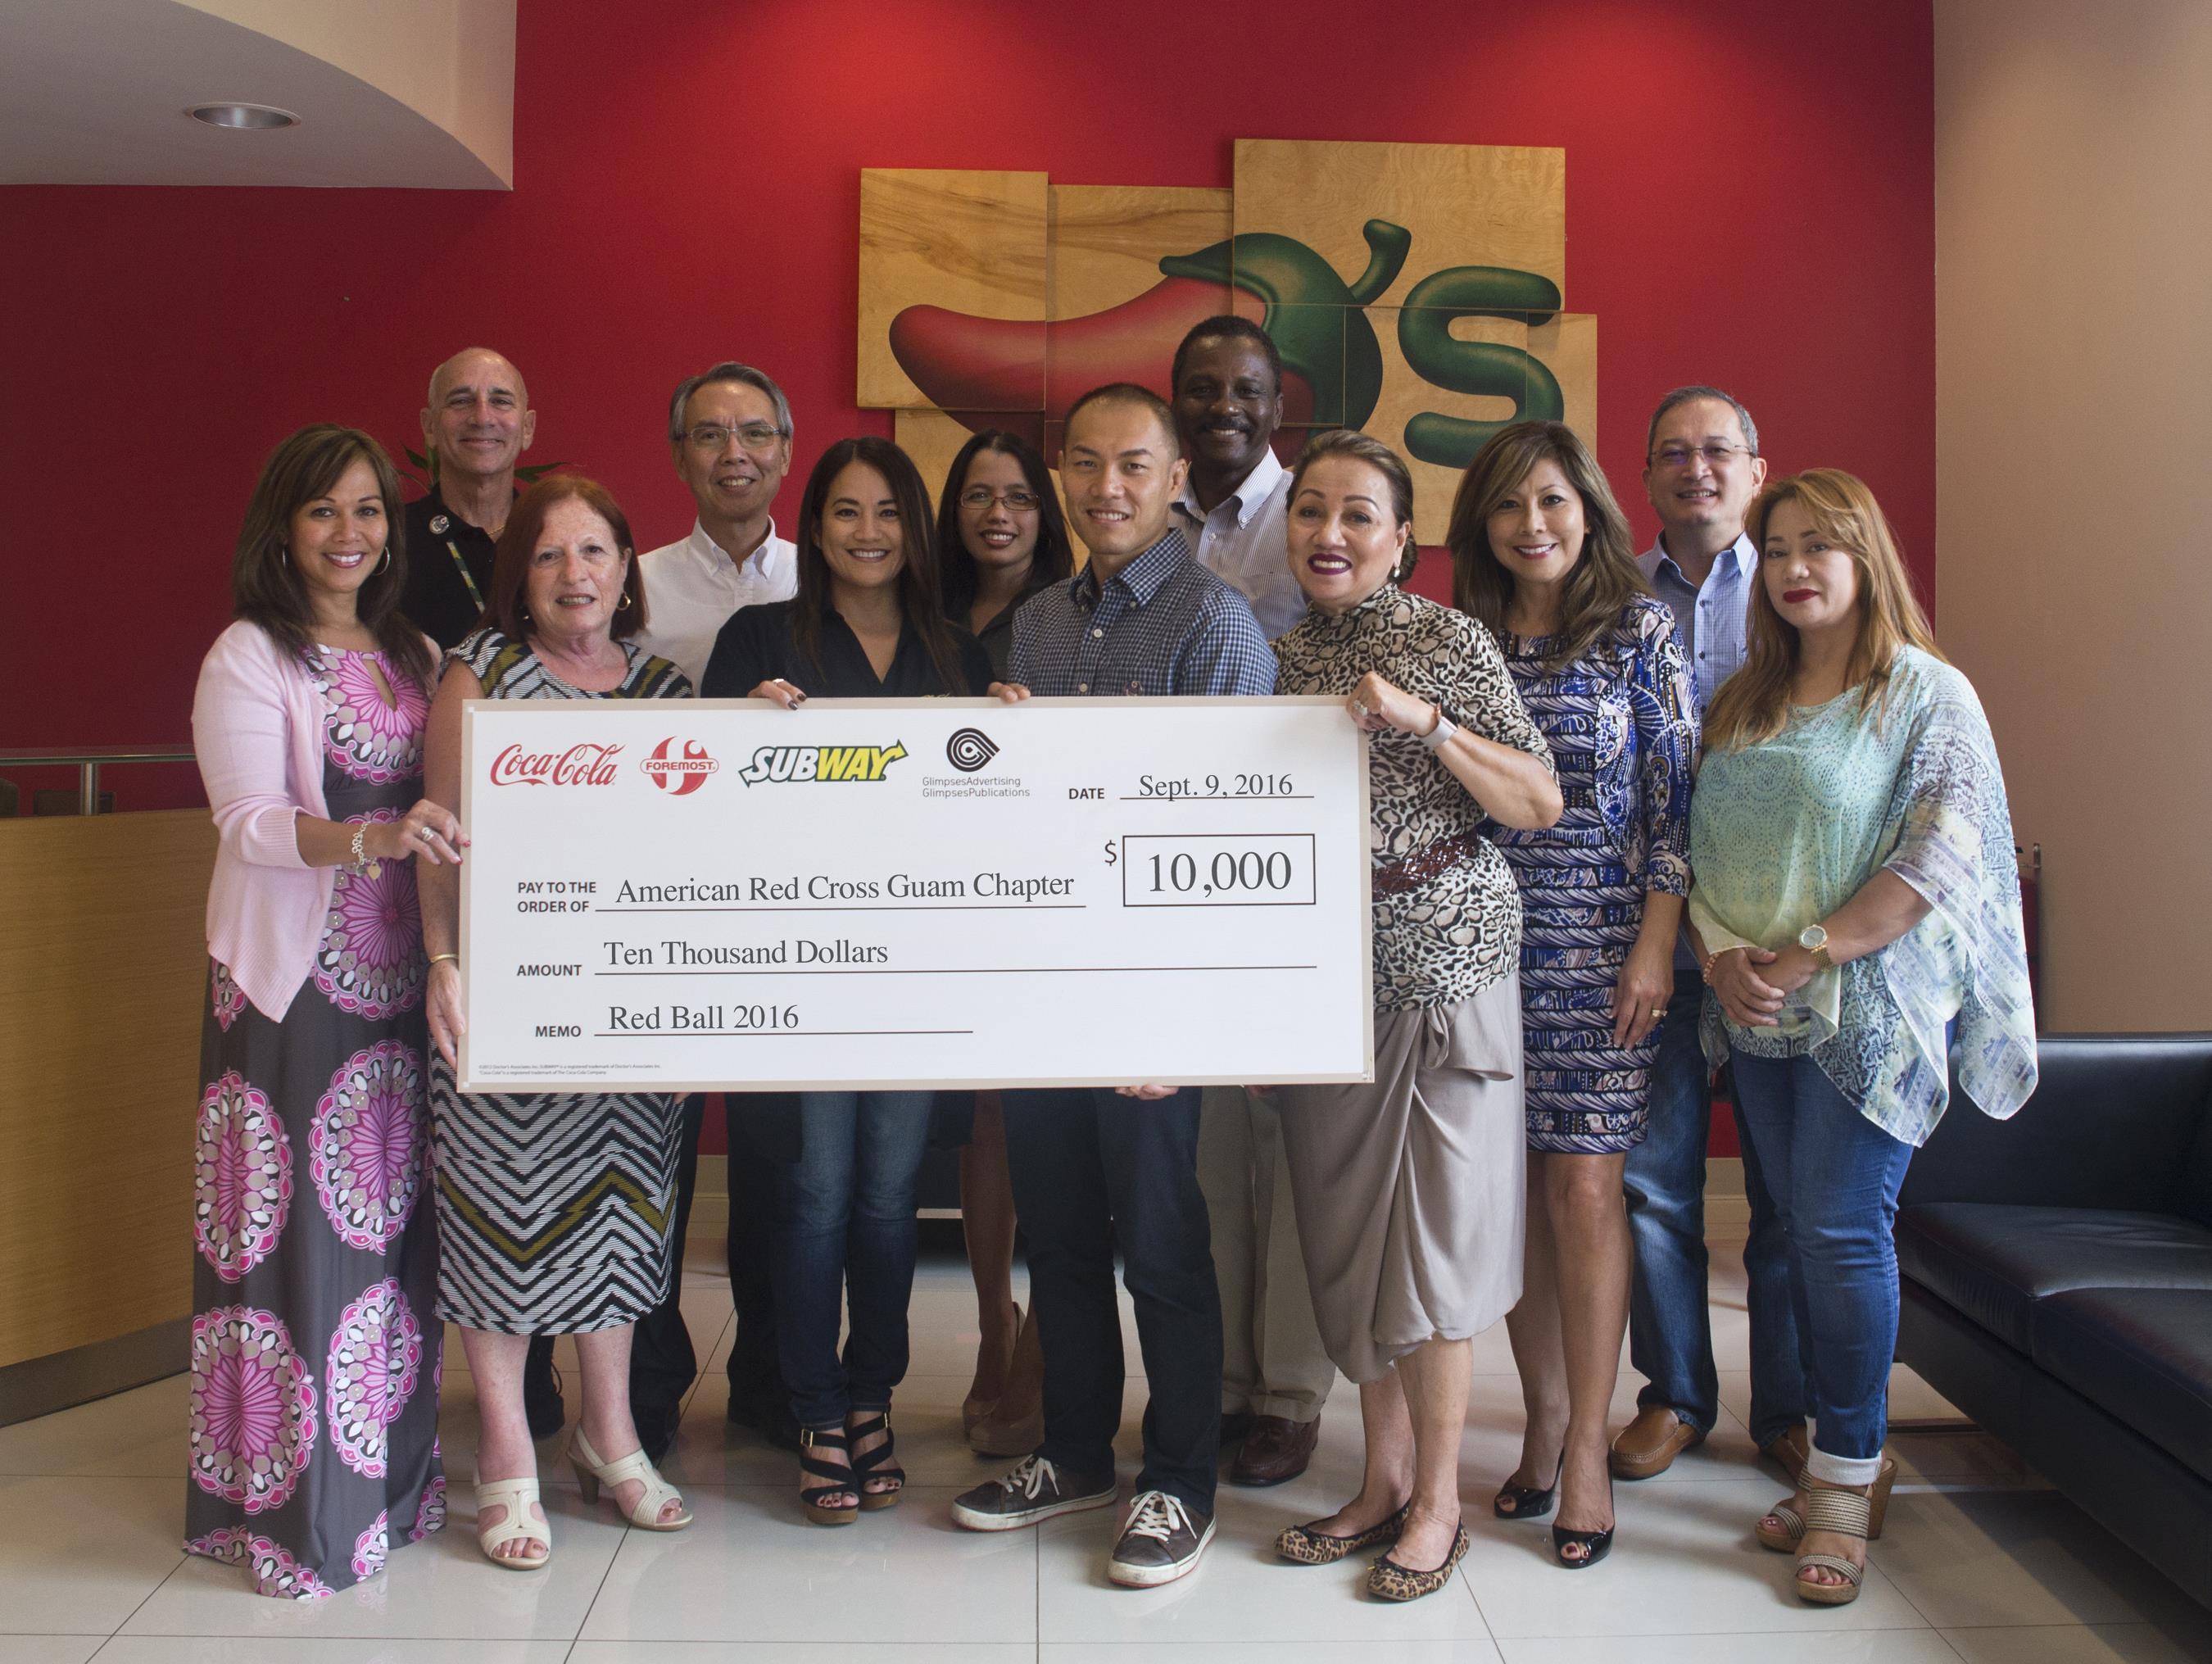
<point x="1542" y="554"/>
<point x="556" y="1210"/>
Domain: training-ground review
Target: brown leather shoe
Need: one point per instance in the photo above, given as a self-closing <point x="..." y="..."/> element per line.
<point x="1649" y="1445"/>
<point x="1275" y="1449"/>
<point x="1787" y="1453"/>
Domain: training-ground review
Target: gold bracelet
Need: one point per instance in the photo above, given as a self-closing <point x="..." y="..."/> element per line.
<point x="435" y="957"/>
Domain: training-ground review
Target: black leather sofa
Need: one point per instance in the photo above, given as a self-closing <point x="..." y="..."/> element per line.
<point x="2056" y="1271"/>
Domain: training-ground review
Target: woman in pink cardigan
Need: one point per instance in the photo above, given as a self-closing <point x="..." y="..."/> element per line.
<point x="314" y="1353"/>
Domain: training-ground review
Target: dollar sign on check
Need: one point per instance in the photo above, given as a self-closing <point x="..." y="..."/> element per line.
<point x="1112" y="856"/>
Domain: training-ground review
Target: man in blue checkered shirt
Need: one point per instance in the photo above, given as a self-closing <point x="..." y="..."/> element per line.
<point x="1094" y="1170"/>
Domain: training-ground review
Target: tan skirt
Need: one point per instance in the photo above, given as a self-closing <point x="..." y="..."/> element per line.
<point x="1409" y="1190"/>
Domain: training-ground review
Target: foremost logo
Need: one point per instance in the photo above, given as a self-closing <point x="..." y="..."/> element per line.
<point x="579" y="765"/>
<point x="778" y="764"/>
<point x="678" y="775"/>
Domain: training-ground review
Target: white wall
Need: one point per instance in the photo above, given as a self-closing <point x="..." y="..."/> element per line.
<point x="2074" y="469"/>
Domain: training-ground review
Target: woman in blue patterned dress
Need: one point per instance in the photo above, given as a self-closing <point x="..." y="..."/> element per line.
<point x="313" y="1439"/>
<point x="1542" y="554"/>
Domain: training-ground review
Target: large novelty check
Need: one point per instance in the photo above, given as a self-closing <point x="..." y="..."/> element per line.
<point x="691" y="896"/>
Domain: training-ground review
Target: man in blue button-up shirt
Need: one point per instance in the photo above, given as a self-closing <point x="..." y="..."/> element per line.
<point x="1702" y="469"/>
<point x="1093" y="1169"/>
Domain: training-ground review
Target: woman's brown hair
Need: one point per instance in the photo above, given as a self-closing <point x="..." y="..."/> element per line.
<point x="1605" y="576"/>
<point x="1754" y="704"/>
<point x="266" y="588"/>
<point x="504" y="606"/>
<point x="922" y="601"/>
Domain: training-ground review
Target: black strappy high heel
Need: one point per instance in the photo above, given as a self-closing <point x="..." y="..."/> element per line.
<point x="877" y="1464"/>
<point x="846" y="1480"/>
<point x="1528" y="1502"/>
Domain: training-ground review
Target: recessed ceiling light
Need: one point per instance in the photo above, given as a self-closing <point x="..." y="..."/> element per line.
<point x="247" y="116"/>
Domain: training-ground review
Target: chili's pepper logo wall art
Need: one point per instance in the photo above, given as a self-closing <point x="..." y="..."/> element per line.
<point x="1414" y="290"/>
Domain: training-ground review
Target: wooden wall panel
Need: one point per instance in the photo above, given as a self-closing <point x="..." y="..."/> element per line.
<point x="103" y="978"/>
<point x="1107" y="240"/>
<point x="1466" y="204"/>
<point x="969" y="241"/>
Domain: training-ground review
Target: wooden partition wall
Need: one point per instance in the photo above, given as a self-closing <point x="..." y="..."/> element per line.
<point x="103" y="977"/>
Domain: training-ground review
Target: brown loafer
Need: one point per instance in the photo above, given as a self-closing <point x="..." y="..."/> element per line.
<point x="1788" y="1452"/>
<point x="1276" y="1449"/>
<point x="1649" y="1445"/>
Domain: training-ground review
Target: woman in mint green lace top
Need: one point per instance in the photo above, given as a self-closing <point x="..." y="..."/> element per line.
<point x="1784" y="833"/>
<point x="1856" y="904"/>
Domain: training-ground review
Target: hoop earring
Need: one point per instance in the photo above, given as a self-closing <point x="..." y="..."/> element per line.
<point x="284" y="553"/>
<point x="385" y="562"/>
<point x="623" y="606"/>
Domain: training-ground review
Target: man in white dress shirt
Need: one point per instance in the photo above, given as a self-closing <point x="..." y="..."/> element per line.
<point x="1228" y="402"/>
<point x="729" y="430"/>
<point x="1228" y="379"/>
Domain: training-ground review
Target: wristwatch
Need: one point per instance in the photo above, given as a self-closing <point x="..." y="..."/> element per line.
<point x="1813" y="938"/>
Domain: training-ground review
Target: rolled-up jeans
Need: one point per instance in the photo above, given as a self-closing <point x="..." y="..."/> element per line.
<point x="1671" y="1337"/>
<point x="846" y="1228"/>
<point x="1835" y="1177"/>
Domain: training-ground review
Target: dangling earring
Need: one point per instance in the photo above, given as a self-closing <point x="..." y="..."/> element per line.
<point x="284" y="553"/>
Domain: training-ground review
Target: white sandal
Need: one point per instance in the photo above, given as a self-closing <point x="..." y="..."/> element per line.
<point x="518" y="1497"/>
<point x="592" y="1473"/>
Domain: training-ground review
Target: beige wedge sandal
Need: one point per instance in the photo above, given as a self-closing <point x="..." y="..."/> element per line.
<point x="1847" y="1514"/>
<point x="1785" y="1539"/>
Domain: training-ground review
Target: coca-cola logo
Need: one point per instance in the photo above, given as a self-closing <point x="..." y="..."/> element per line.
<point x="678" y="775"/>
<point x="579" y="765"/>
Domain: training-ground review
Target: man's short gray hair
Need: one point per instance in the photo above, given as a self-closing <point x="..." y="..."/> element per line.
<point x="1688" y="395"/>
<point x="728" y="370"/>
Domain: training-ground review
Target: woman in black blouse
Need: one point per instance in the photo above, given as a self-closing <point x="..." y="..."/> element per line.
<point x="867" y="622"/>
<point x="1000" y="537"/>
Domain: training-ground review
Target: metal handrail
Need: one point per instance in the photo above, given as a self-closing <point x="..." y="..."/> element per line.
<point x="88" y="760"/>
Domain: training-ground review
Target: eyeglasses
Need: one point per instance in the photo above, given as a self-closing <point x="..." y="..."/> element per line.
<point x="753" y="435"/>
<point x="980" y="498"/>
<point x="1680" y="456"/>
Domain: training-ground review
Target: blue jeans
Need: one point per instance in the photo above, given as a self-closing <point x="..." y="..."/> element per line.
<point x="847" y="1228"/>
<point x="1836" y="1176"/>
<point x="1670" y="1335"/>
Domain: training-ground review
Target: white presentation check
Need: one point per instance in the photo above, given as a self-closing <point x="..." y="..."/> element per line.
<point x="692" y="896"/>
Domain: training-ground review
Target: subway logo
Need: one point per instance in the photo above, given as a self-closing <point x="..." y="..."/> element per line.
<point x="778" y="764"/>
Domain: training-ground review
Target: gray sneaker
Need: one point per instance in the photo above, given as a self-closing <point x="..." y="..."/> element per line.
<point x="1161" y="1541"/>
<point x="1035" y="1491"/>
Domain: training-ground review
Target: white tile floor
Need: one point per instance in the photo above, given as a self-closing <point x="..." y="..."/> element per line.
<point x="1981" y="1561"/>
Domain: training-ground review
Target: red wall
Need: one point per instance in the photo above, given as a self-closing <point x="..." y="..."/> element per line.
<point x="1750" y="202"/>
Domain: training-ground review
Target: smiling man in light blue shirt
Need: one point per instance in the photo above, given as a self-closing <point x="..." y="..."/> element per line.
<point x="1702" y="469"/>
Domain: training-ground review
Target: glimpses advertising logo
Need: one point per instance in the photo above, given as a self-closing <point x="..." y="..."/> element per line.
<point x="969" y="749"/>
<point x="779" y="765"/>
<point x="684" y="772"/>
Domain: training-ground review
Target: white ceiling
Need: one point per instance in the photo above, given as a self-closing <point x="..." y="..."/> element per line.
<point x="94" y="91"/>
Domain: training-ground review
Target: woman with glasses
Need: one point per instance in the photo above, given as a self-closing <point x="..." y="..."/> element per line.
<point x="868" y="622"/>
<point x="1000" y="539"/>
<point x="1541" y="556"/>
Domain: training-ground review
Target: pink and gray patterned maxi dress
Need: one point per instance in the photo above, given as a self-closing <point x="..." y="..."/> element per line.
<point x="315" y="1357"/>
